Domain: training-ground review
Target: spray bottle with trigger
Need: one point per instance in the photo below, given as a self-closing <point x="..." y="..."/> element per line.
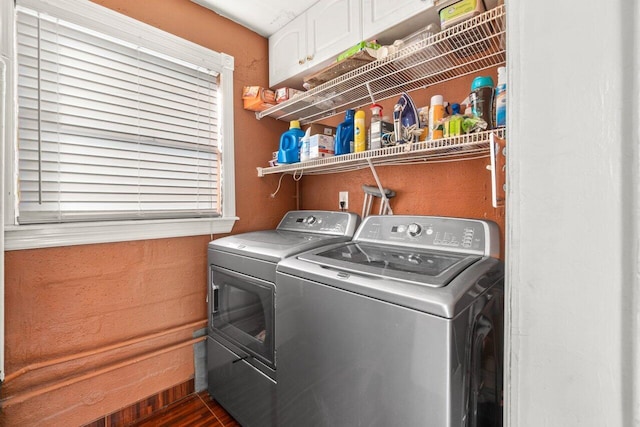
<point x="375" y="129"/>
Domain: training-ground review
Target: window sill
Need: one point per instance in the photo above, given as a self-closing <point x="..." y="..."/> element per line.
<point x="52" y="235"/>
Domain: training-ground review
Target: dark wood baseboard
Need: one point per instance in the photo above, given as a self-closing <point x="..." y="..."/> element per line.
<point x="145" y="407"/>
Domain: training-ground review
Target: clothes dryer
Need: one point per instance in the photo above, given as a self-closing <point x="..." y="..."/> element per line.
<point x="241" y="355"/>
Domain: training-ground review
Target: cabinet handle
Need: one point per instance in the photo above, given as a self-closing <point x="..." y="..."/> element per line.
<point x="309" y="57"/>
<point x="301" y="61"/>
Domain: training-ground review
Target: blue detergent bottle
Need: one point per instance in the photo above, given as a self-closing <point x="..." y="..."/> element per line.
<point x="344" y="134"/>
<point x="290" y="142"/>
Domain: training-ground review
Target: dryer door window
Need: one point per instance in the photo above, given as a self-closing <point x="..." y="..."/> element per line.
<point x="242" y="310"/>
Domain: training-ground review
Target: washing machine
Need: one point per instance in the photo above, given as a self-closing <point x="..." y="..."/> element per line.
<point x="241" y="355"/>
<point x="402" y="326"/>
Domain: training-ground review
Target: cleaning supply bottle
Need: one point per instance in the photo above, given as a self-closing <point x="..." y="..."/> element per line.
<point x="305" y="148"/>
<point x="290" y="141"/>
<point x="436" y="113"/>
<point x="501" y="98"/>
<point x="375" y="129"/>
<point x="344" y="134"/>
<point x="481" y="98"/>
<point x="455" y="121"/>
<point x="359" y="132"/>
<point x="423" y="119"/>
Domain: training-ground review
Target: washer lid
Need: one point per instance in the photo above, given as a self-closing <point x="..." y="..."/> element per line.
<point x="298" y="231"/>
<point x="273" y="245"/>
<point x="431" y="268"/>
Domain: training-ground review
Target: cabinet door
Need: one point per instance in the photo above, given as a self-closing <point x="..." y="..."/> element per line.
<point x="332" y="27"/>
<point x="288" y="51"/>
<point x="379" y="15"/>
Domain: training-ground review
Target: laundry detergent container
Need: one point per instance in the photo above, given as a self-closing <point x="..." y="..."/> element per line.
<point x="290" y="141"/>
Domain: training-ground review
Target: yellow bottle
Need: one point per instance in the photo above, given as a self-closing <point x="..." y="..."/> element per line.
<point x="359" y="132"/>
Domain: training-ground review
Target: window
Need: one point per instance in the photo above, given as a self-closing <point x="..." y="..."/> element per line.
<point x="123" y="131"/>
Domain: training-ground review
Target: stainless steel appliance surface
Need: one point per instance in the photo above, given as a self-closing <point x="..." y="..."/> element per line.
<point x="400" y="326"/>
<point x="241" y="354"/>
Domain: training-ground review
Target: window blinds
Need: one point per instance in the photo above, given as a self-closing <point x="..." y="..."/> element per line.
<point x="108" y="130"/>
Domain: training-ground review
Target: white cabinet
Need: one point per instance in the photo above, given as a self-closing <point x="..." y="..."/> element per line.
<point x="288" y="51"/>
<point x="313" y="39"/>
<point x="380" y="15"/>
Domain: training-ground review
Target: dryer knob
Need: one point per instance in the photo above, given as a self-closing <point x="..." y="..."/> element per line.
<point x="414" y="230"/>
<point x="311" y="219"/>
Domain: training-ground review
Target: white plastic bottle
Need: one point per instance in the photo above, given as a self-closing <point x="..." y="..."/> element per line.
<point x="436" y="113"/>
<point x="305" y="149"/>
<point x="501" y="98"/>
<point x="375" y="129"/>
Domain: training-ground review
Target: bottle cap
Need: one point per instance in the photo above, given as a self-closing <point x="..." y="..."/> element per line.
<point x="455" y="108"/>
<point x="437" y="100"/>
<point x="294" y="124"/>
<point x="376" y="109"/>
<point x="481" y="81"/>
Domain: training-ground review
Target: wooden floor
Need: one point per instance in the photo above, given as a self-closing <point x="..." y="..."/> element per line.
<point x="192" y="411"/>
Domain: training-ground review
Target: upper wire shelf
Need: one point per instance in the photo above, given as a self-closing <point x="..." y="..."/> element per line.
<point x="466" y="48"/>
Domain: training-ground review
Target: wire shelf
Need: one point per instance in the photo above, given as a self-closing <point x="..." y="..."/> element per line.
<point x="471" y="146"/>
<point x="466" y="48"/>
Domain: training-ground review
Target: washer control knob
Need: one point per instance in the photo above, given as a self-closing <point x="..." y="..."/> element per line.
<point x="414" y="230"/>
<point x="311" y="219"/>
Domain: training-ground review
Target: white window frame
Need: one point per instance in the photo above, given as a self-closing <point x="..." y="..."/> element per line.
<point x="101" y="19"/>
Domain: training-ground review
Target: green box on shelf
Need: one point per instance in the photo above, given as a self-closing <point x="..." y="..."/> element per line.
<point x="357" y="48"/>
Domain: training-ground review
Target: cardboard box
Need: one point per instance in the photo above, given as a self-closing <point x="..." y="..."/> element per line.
<point x="460" y="11"/>
<point x="256" y="98"/>
<point x="369" y="47"/>
<point x="321" y="146"/>
<point x="318" y="129"/>
<point x="285" y="94"/>
<point x="337" y="69"/>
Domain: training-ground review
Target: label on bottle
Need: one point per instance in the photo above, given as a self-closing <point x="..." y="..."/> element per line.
<point x="482" y="104"/>
<point x="375" y="138"/>
<point x="501" y="106"/>
<point x="360" y="140"/>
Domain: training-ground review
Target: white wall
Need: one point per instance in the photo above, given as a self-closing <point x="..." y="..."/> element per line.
<point x="572" y="214"/>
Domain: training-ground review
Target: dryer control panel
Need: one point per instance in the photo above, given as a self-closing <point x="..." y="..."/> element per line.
<point x="322" y="222"/>
<point x="428" y="232"/>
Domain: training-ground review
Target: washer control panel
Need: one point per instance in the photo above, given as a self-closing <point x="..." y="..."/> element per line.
<point x="322" y="222"/>
<point x="443" y="233"/>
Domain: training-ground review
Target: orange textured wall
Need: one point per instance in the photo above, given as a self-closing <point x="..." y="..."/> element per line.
<point x="87" y="327"/>
<point x="91" y="329"/>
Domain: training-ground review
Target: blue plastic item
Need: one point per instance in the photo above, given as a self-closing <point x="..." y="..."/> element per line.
<point x="290" y="142"/>
<point x="481" y="81"/>
<point x="344" y="134"/>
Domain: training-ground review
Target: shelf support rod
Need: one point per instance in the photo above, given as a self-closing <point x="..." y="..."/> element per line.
<point x="373" y="100"/>
<point x="383" y="196"/>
